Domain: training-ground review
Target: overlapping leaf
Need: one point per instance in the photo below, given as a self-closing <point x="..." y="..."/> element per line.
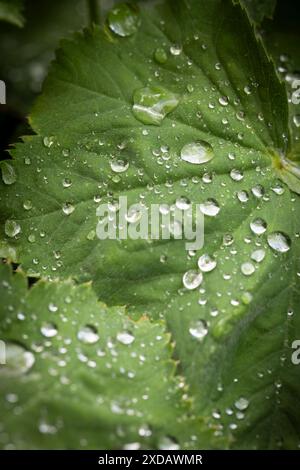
<point x="239" y="365"/>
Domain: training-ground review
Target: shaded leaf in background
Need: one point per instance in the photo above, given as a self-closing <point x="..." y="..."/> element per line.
<point x="258" y="10"/>
<point x="12" y="12"/>
<point x="234" y="332"/>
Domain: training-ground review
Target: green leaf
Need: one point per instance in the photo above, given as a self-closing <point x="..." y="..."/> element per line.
<point x="258" y="10"/>
<point x="233" y="334"/>
<point x="81" y="375"/>
<point x="11" y="11"/>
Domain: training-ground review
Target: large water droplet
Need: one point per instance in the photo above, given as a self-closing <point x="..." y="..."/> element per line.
<point x="12" y="228"/>
<point x="192" y="279"/>
<point x="125" y="337"/>
<point x="258" y="226"/>
<point x="68" y="208"/>
<point x="152" y="104"/>
<point x="119" y="166"/>
<point x="258" y="255"/>
<point x="242" y="404"/>
<point x="247" y="268"/>
<point x="197" y="152"/>
<point x="198" y="329"/>
<point x="9" y="175"/>
<point x="206" y="263"/>
<point x="279" y="242"/>
<point x="210" y="207"/>
<point x="124" y="19"/>
<point x="88" y="334"/>
<point x="17" y="360"/>
<point x="49" y="330"/>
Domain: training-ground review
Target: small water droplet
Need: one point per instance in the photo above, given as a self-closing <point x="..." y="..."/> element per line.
<point x="242" y="196"/>
<point x="258" y="255"/>
<point x="183" y="203"/>
<point x="242" y="404"/>
<point x="68" y="208"/>
<point x="247" y="268"/>
<point x="198" y="329"/>
<point x="48" y="141"/>
<point x="160" y="55"/>
<point x="236" y="175"/>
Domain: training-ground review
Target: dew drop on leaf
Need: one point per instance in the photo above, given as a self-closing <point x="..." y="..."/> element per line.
<point x="198" y="329"/>
<point x="192" y="279"/>
<point x="152" y="104"/>
<point x="210" y="207"/>
<point x="12" y="228"/>
<point x="119" y="166"/>
<point x="124" y="19"/>
<point x="88" y="334"/>
<point x="18" y="360"/>
<point x="206" y="263"/>
<point x="125" y="337"/>
<point x="48" y="141"/>
<point x="197" y="152"/>
<point x="241" y="404"/>
<point x="258" y="226"/>
<point x="279" y="241"/>
<point x="68" y="208"/>
<point x="160" y="55"/>
<point x="49" y="330"/>
<point x="236" y="175"/>
<point x="247" y="268"/>
<point x="258" y="255"/>
<point x="9" y="175"/>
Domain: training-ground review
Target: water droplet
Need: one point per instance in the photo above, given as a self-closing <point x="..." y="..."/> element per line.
<point x="12" y="228"/>
<point x="68" y="208"/>
<point x="258" y="226"/>
<point x="27" y="205"/>
<point x="9" y="175"/>
<point x="168" y="443"/>
<point x="192" y="279"/>
<point x="228" y="239"/>
<point x="88" y="334"/>
<point x="242" y="196"/>
<point x="48" y="141"/>
<point x="279" y="242"/>
<point x="49" y="330"/>
<point x="124" y="19"/>
<point x="160" y="55"/>
<point x="133" y="215"/>
<point x="18" y="360"/>
<point x="224" y="100"/>
<point x="119" y="166"/>
<point x="242" y="404"/>
<point x="198" y="329"/>
<point x="296" y="120"/>
<point x="197" y="152"/>
<point x="236" y="175"/>
<point x="183" y="203"/>
<point x="258" y="191"/>
<point x="206" y="263"/>
<point x="152" y="104"/>
<point x="176" y="49"/>
<point x="247" y="268"/>
<point x="125" y="337"/>
<point x="258" y="255"/>
<point x="210" y="207"/>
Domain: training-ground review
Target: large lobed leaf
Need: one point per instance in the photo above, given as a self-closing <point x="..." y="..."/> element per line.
<point x="240" y="371"/>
